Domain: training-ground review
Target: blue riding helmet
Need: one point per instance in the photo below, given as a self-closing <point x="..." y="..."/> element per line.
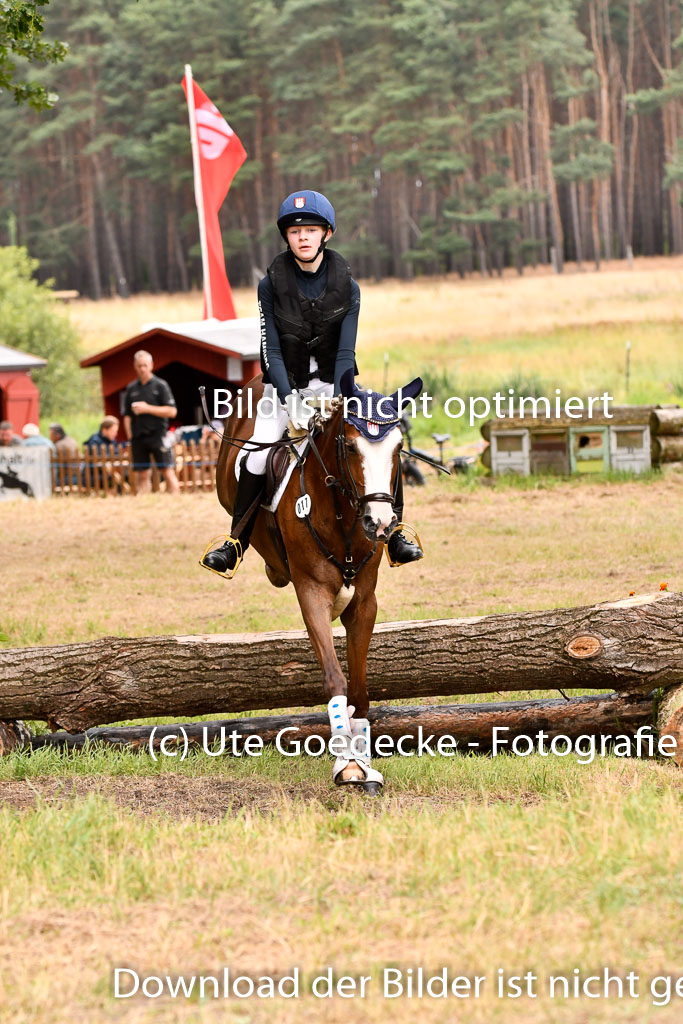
<point x="305" y="207"/>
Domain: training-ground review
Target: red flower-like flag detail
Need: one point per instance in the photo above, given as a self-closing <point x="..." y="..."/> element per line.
<point x="218" y="155"/>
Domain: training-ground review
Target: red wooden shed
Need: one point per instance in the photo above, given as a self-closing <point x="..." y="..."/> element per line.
<point x="19" y="398"/>
<point x="209" y="352"/>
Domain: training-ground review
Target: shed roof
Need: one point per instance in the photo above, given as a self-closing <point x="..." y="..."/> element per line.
<point x="620" y="415"/>
<point x="13" y="359"/>
<point x="239" y="337"/>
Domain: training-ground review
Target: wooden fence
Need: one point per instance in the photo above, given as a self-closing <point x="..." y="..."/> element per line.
<point x="109" y="471"/>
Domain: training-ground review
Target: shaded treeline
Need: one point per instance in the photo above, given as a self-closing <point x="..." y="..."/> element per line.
<point x="450" y="134"/>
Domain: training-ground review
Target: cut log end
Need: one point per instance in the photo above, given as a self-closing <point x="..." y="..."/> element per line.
<point x="586" y="646"/>
<point x="670" y="720"/>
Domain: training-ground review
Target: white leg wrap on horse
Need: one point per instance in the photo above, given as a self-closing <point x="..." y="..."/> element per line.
<point x="358" y="751"/>
<point x="338" y="711"/>
<point x="360" y="746"/>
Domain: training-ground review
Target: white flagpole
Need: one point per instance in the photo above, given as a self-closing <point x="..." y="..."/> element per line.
<point x="198" y="193"/>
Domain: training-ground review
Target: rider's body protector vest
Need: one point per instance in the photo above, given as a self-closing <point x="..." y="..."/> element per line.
<point x="309" y="327"/>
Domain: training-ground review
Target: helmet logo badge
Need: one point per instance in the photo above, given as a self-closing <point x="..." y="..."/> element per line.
<point x="300" y="202"/>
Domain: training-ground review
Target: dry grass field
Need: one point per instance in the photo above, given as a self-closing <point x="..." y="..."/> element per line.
<point x="567" y="329"/>
<point x="527" y="864"/>
<point x="537" y="864"/>
<point x="84" y="568"/>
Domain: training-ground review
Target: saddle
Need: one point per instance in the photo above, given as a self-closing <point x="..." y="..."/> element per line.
<point x="278" y="464"/>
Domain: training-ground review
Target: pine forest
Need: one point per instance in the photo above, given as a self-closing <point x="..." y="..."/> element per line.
<point x="451" y="135"/>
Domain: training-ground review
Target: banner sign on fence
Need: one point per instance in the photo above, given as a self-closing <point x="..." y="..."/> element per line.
<point x="25" y="473"/>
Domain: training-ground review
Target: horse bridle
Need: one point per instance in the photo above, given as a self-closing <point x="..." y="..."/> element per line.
<point x="346" y="483"/>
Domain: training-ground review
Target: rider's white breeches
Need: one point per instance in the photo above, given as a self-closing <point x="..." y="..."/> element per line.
<point x="271" y="428"/>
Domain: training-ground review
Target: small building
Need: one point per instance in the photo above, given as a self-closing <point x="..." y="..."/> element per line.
<point x="19" y="397"/>
<point x="563" y="445"/>
<point x="217" y="354"/>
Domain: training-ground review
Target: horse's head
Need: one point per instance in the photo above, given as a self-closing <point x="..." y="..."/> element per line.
<point x="372" y="443"/>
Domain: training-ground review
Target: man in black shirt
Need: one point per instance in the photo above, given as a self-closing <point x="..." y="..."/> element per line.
<point x="147" y="407"/>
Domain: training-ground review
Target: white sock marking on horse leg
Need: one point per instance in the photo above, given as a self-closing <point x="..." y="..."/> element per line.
<point x="342" y="600"/>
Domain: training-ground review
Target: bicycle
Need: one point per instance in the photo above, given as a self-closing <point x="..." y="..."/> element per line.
<point x="412" y="473"/>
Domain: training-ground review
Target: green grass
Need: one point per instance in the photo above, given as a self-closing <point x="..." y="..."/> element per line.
<point x="536" y="863"/>
<point x="520" y="866"/>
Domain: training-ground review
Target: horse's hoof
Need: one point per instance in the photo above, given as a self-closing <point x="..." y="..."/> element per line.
<point x="350" y="776"/>
<point x="371" y="788"/>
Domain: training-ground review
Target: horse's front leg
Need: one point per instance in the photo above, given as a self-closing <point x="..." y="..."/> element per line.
<point x="316" y="607"/>
<point x="359" y="621"/>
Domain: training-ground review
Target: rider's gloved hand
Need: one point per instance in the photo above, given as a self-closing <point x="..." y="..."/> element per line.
<point x="299" y="412"/>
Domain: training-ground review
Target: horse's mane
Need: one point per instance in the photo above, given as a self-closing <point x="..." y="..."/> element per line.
<point x="334" y="406"/>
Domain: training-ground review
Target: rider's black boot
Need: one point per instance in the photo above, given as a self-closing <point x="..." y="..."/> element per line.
<point x="400" y="549"/>
<point x="249" y="487"/>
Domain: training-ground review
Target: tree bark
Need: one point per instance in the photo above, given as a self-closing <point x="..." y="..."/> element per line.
<point x="667" y="449"/>
<point x="632" y="646"/>
<point x="633" y="144"/>
<point x="670" y="720"/>
<point x="598" y="15"/>
<point x="109" y="232"/>
<point x="471" y="725"/>
<point x="146" y="230"/>
<point x="666" y="421"/>
<point x="88" y="207"/>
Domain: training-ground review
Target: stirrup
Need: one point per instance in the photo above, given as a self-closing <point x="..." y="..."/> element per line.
<point x="229" y="573"/>
<point x="404" y="528"/>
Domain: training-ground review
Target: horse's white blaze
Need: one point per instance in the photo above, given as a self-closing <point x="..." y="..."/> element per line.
<point x="377" y="457"/>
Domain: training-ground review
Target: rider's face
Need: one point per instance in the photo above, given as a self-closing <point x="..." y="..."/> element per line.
<point x="304" y="240"/>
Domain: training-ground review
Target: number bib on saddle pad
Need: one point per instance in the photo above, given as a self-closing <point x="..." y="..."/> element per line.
<point x="278" y="472"/>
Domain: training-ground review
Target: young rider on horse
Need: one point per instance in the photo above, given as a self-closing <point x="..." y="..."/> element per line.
<point x="309" y="306"/>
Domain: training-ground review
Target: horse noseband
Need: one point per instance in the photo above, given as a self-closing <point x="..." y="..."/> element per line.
<point x="365" y="499"/>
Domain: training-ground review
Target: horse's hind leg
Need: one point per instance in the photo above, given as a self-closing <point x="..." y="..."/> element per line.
<point x="359" y="621"/>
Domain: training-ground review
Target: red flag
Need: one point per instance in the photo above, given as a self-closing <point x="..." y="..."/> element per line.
<point x="217" y="154"/>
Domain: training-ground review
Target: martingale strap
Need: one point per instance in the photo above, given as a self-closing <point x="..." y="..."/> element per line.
<point x="348" y="569"/>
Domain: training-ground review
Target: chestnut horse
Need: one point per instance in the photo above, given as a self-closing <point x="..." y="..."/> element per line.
<point x="349" y="478"/>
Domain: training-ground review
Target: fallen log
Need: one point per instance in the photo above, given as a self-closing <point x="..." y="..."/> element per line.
<point x="666" y="421"/>
<point x="670" y="719"/>
<point x="666" y="448"/>
<point x="632" y="646"/>
<point x="471" y="725"/>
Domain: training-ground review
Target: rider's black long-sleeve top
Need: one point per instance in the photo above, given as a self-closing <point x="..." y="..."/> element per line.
<point x="312" y="286"/>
